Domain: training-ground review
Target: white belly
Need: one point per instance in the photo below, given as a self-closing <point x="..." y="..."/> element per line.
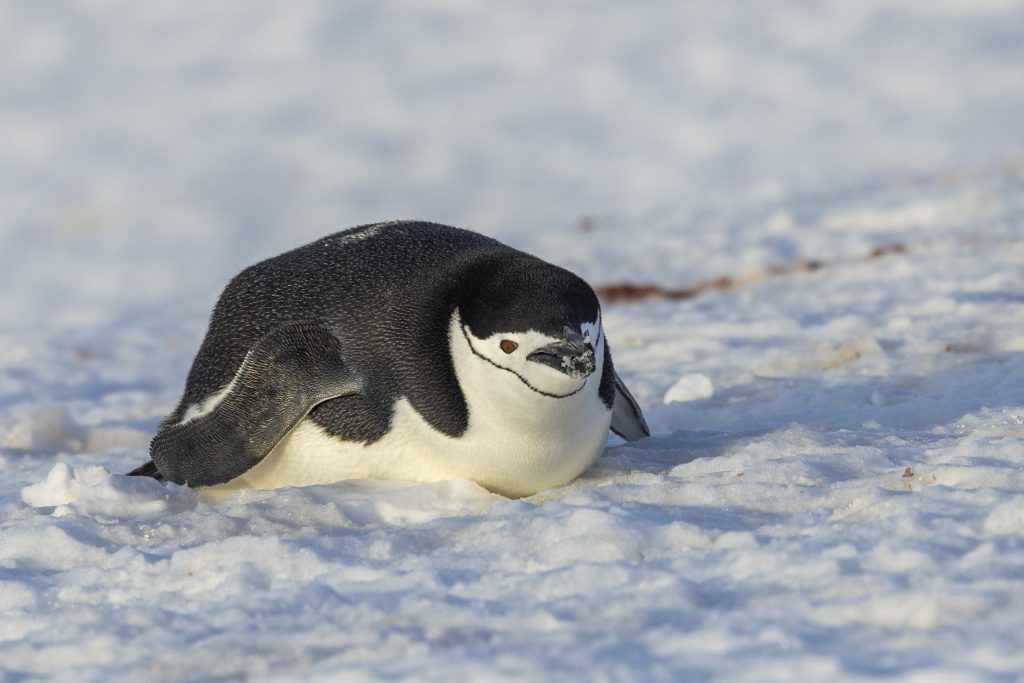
<point x="509" y="462"/>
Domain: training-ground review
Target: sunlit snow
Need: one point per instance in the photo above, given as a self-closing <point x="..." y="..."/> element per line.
<point x="834" y="487"/>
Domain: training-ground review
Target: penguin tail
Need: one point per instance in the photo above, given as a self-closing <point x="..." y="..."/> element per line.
<point x="147" y="470"/>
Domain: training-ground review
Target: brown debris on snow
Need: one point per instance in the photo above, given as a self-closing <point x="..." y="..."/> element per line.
<point x="629" y="292"/>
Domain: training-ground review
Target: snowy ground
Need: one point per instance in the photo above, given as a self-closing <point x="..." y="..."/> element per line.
<point x="834" y="488"/>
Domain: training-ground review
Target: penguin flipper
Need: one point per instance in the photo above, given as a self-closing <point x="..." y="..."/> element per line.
<point x="286" y="374"/>
<point x="627" y="419"/>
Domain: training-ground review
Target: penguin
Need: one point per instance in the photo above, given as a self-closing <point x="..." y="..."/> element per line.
<point x="399" y="350"/>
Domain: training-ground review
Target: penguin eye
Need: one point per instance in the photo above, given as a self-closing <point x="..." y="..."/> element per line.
<point x="508" y="346"/>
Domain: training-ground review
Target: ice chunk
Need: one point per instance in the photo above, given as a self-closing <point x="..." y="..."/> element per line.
<point x="692" y="387"/>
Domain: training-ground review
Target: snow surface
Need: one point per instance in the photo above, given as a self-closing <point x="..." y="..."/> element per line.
<point x="834" y="488"/>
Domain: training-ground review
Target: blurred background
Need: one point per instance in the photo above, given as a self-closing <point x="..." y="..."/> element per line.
<point x="151" y="150"/>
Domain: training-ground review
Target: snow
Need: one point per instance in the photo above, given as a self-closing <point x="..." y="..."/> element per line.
<point x="833" y="489"/>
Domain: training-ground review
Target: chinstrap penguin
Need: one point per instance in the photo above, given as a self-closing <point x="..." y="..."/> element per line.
<point x="399" y="350"/>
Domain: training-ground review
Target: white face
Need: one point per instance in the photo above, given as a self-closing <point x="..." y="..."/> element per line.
<point x="508" y="354"/>
<point x="531" y="425"/>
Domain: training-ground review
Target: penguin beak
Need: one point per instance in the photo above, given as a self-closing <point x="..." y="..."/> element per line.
<point x="572" y="355"/>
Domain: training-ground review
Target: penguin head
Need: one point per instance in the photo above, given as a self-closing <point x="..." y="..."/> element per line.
<point x="536" y="321"/>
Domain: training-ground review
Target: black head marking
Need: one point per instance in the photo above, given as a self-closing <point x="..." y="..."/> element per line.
<point x="515" y="292"/>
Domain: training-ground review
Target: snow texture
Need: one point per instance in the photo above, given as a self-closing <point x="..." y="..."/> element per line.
<point x="834" y="486"/>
